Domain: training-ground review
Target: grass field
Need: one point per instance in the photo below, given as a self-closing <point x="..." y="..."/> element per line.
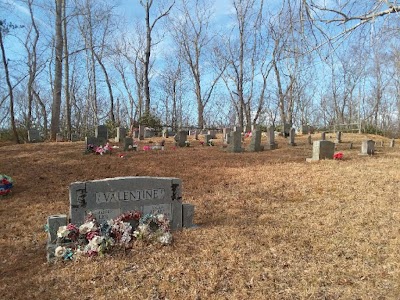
<point x="270" y="225"/>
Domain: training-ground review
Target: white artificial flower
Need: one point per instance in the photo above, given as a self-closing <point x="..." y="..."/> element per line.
<point x="86" y="227"/>
<point x="165" y="239"/>
<point x="160" y="217"/>
<point x="97" y="240"/>
<point x="60" y="251"/>
<point x="62" y="231"/>
<point x="144" y="228"/>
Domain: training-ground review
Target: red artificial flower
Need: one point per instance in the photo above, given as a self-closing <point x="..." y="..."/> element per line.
<point x="91" y="234"/>
<point x="338" y="155"/>
<point x="5" y="181"/>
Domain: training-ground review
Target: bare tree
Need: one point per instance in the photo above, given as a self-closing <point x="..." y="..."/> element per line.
<point x="147" y="5"/>
<point x="56" y="107"/>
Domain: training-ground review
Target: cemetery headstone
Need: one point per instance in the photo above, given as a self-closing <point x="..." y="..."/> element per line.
<point x="129" y="145"/>
<point x="225" y="134"/>
<point x="322" y="150"/>
<point x="141" y="132"/>
<point x="392" y="141"/>
<point x="180" y="138"/>
<point x="91" y="140"/>
<point x="367" y="147"/>
<point x="101" y="133"/>
<point x="286" y="130"/>
<point x="212" y="133"/>
<point x="149" y="132"/>
<point x="271" y="138"/>
<point x="33" y="135"/>
<point x="108" y="198"/>
<point x="235" y="142"/>
<point x="309" y="139"/>
<point x="59" y="137"/>
<point x="292" y="135"/>
<point x="338" y="137"/>
<point x="165" y="134"/>
<point x="305" y="129"/>
<point x="121" y="134"/>
<point x="255" y="143"/>
<point x="207" y="139"/>
<point x="196" y="135"/>
<point x="238" y="128"/>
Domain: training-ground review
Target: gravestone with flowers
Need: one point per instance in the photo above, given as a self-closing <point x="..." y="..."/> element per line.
<point x="110" y="198"/>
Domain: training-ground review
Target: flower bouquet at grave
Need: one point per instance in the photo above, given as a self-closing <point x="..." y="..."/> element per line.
<point x="92" y="238"/>
<point x="210" y="143"/>
<point x="103" y="150"/>
<point x="338" y="156"/>
<point x="187" y="143"/>
<point x="90" y="149"/>
<point x="6" y="184"/>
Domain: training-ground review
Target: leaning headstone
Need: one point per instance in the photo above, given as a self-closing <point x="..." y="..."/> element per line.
<point x="367" y="147"/>
<point x="338" y="137"/>
<point x="235" y="142"/>
<point x="255" y="143"/>
<point x="141" y="132"/>
<point x="59" y="137"/>
<point x="391" y="145"/>
<point x="323" y="136"/>
<point x="292" y="135"/>
<point x="212" y="133"/>
<point x="322" y="150"/>
<point x="33" y="135"/>
<point x="271" y="138"/>
<point x="121" y="134"/>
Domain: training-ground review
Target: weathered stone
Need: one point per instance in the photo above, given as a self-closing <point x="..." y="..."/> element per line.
<point x="53" y="223"/>
<point x="271" y="138"/>
<point x="74" y="137"/>
<point x="322" y="150"/>
<point x="91" y="140"/>
<point x="323" y="136"/>
<point x="392" y="141"/>
<point x="309" y="139"/>
<point x="181" y="138"/>
<point x="165" y="134"/>
<point x="141" y="132"/>
<point x="128" y="144"/>
<point x="187" y="215"/>
<point x="59" y="137"/>
<point x="207" y="139"/>
<point x="338" y="137"/>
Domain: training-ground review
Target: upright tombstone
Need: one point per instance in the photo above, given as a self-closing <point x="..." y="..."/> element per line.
<point x="207" y="139"/>
<point x="391" y="145"/>
<point x="238" y="128"/>
<point x="323" y="136"/>
<point x="149" y="132"/>
<point x="74" y="137"/>
<point x="235" y="142"/>
<point x="129" y="145"/>
<point x="322" y="150"/>
<point x="271" y="138"/>
<point x="101" y="133"/>
<point x="305" y="129"/>
<point x="212" y="133"/>
<point x="292" y="136"/>
<point x="338" y="137"/>
<point x="91" y="141"/>
<point x="165" y="134"/>
<point x="180" y="138"/>
<point x="225" y="134"/>
<point x="255" y="143"/>
<point x="367" y="147"/>
<point x="141" y="132"/>
<point x="196" y="134"/>
<point x="108" y="198"/>
<point x="33" y="135"/>
<point x="121" y="134"/>
<point x="59" y="137"/>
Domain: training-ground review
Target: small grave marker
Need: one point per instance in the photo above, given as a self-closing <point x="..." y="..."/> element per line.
<point x="338" y="137"/>
<point x="121" y="134"/>
<point x="255" y="143"/>
<point x="322" y="150"/>
<point x="33" y="135"/>
<point x="292" y="135"/>
<point x="101" y="133"/>
<point x="235" y="142"/>
<point x="367" y="147"/>
<point x="271" y="138"/>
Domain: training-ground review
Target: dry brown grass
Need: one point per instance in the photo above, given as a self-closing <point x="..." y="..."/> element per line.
<point x="271" y="226"/>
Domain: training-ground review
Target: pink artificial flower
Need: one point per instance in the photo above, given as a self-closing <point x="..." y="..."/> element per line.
<point x="338" y="156"/>
<point x="91" y="234"/>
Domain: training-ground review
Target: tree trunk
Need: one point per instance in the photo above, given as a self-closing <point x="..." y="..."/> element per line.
<point x="10" y="89"/>
<point x="55" y="110"/>
<point x="147" y="62"/>
<point x="66" y="74"/>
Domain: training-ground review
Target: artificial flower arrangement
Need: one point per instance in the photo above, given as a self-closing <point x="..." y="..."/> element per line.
<point x="98" y="149"/>
<point x="6" y="184"/>
<point x="338" y="156"/>
<point x="91" y="238"/>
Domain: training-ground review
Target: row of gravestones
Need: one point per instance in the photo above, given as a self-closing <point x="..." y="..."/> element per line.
<point x="325" y="149"/>
<point x="108" y="198"/>
<point x="35" y="137"/>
